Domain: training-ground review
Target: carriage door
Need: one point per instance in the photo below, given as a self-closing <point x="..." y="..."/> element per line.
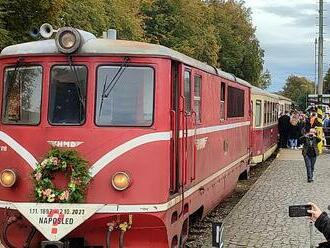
<point x="188" y="127"/>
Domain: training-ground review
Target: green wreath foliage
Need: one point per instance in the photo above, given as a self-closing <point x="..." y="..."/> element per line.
<point x="75" y="169"/>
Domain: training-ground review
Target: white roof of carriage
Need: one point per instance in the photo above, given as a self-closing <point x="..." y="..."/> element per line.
<point x="258" y="91"/>
<point x="117" y="47"/>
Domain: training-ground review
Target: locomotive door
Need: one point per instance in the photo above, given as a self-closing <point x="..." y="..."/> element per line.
<point x="187" y="130"/>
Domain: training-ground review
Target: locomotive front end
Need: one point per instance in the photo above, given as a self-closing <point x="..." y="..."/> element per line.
<point x="84" y="143"/>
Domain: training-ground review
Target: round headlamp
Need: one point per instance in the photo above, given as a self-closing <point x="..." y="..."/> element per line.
<point x="68" y="40"/>
<point x="121" y="181"/>
<point x="7" y="178"/>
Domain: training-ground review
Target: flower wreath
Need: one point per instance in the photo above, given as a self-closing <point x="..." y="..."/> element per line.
<point x="74" y="167"/>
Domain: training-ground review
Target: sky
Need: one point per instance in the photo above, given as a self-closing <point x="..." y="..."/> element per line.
<point x="287" y="30"/>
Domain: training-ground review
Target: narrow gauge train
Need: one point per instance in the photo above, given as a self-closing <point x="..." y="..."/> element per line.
<point x="166" y="137"/>
<point x="266" y="108"/>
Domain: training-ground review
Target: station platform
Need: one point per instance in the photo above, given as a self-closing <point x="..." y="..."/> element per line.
<point x="261" y="218"/>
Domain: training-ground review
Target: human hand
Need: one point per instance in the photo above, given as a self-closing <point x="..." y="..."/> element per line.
<point x="316" y="212"/>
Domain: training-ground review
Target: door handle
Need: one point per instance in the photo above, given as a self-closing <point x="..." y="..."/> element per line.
<point x="225" y="146"/>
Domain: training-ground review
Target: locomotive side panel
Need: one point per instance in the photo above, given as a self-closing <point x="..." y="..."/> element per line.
<point x="222" y="145"/>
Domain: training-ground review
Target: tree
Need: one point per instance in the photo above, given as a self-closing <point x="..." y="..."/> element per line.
<point x="217" y="32"/>
<point x="297" y="88"/>
<point x="326" y="83"/>
<point x="183" y="25"/>
<point x="240" y="52"/>
<point x="4" y="34"/>
<point x="126" y="17"/>
<point x="89" y="15"/>
<point x="265" y="80"/>
<point x="23" y="15"/>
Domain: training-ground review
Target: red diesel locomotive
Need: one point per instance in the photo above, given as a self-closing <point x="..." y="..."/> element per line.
<point x="165" y="137"/>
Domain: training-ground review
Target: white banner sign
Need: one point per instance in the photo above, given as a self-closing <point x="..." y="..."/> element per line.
<point x="54" y="220"/>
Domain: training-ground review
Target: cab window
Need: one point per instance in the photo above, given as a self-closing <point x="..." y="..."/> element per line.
<point x="125" y="96"/>
<point x="222" y="100"/>
<point x="67" y="98"/>
<point x="197" y="97"/>
<point x="187" y="90"/>
<point x="22" y="95"/>
<point x="235" y="106"/>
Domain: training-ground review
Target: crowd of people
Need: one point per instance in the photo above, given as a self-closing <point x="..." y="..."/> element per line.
<point x="303" y="131"/>
<point x="292" y="126"/>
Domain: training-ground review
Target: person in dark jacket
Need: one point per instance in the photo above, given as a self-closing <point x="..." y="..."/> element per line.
<point x="302" y="128"/>
<point x="283" y="129"/>
<point x="321" y="219"/>
<point x="310" y="151"/>
<point x="294" y="133"/>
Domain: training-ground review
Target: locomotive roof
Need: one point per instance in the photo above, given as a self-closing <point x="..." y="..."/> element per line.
<point x="118" y="47"/>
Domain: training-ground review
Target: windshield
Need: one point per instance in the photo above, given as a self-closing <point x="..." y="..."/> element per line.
<point x="67" y="95"/>
<point x="126" y="101"/>
<point x="22" y="95"/>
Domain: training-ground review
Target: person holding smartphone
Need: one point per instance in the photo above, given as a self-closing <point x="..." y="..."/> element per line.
<point x="310" y="152"/>
<point x="321" y="219"/>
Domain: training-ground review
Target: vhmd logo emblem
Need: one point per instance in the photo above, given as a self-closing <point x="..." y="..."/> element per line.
<point x="62" y="143"/>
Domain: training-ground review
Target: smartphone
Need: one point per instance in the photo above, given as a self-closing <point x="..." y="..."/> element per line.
<point x="299" y="210"/>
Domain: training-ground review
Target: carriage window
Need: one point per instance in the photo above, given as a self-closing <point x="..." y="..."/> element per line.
<point x="235" y="107"/>
<point x="125" y="96"/>
<point x="22" y="95"/>
<point x="268" y="112"/>
<point x="274" y="112"/>
<point x="187" y="90"/>
<point x="67" y="98"/>
<point x="258" y="114"/>
<point x="265" y="112"/>
<point x="197" y="98"/>
<point x="222" y="100"/>
<point x="271" y="114"/>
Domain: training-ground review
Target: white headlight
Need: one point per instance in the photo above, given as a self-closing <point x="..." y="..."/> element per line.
<point x="7" y="178"/>
<point x="68" y="40"/>
<point x="121" y="181"/>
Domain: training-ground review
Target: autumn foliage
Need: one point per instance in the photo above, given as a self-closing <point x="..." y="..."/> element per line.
<point x="217" y="32"/>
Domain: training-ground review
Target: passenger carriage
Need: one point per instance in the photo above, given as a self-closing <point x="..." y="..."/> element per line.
<point x="166" y="137"/>
<point x="265" y="108"/>
<point x="285" y="105"/>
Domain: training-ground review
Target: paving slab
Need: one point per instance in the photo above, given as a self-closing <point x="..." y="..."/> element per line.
<point x="261" y="218"/>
